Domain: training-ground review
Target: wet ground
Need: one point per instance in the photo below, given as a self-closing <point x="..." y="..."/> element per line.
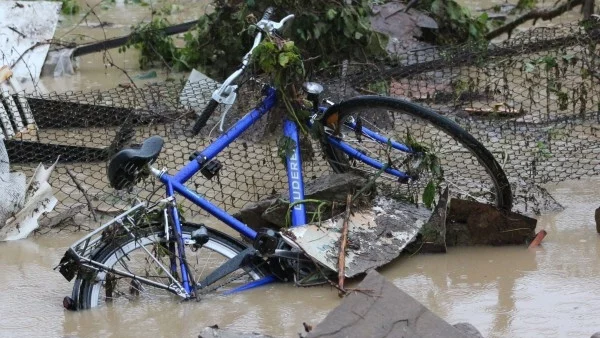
<point x="551" y="291"/>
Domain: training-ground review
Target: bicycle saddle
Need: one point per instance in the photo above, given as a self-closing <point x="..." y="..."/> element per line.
<point x="128" y="166"/>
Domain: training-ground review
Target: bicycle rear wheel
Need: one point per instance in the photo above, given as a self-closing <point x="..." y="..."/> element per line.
<point x="127" y="253"/>
<point x="469" y="169"/>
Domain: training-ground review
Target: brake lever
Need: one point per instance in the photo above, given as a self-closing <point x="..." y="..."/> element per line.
<point x="269" y="26"/>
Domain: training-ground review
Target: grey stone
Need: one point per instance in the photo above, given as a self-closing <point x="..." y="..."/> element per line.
<point x="468" y="329"/>
<point x="596" y="335"/>
<point x="382" y="310"/>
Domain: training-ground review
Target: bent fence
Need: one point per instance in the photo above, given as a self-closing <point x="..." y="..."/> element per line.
<point x="533" y="101"/>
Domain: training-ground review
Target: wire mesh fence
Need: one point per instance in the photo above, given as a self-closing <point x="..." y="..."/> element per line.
<point x="533" y="101"/>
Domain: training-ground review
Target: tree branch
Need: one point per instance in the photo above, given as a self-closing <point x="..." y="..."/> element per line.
<point x="535" y="14"/>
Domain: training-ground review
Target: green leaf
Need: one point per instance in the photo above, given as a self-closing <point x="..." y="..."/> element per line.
<point x="331" y="14"/>
<point x="288" y="46"/>
<point x="284" y="59"/>
<point x="429" y="194"/>
<point x="529" y="67"/>
<point x="435" y="6"/>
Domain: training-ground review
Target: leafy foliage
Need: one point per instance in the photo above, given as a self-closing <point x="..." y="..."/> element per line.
<point x="526" y="4"/>
<point x="425" y="160"/>
<point x="281" y="59"/>
<point x="325" y="31"/>
<point x="70" y="7"/>
<point x="456" y="23"/>
<point x="154" y="45"/>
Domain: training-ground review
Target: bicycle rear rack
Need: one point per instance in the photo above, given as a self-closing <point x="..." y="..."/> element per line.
<point x="79" y="257"/>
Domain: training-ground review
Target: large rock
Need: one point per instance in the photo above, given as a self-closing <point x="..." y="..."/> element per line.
<point x="473" y="223"/>
<point x="382" y="310"/>
<point x="271" y="213"/>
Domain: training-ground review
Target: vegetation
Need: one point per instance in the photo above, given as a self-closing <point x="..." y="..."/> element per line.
<point x="325" y="32"/>
<point x="456" y="23"/>
<point x="70" y="7"/>
<point x="154" y="45"/>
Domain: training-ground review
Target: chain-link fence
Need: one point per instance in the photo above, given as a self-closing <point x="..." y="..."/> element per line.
<point x="533" y="101"/>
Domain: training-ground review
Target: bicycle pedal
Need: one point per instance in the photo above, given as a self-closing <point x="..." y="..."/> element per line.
<point x="200" y="236"/>
<point x="211" y="168"/>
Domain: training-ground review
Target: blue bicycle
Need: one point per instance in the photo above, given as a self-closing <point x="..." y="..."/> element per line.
<point x="149" y="252"/>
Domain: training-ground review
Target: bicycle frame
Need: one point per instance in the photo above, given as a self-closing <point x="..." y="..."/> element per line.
<point x="175" y="184"/>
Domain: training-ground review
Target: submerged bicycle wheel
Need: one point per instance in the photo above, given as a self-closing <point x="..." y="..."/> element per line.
<point x="128" y="254"/>
<point x="466" y="167"/>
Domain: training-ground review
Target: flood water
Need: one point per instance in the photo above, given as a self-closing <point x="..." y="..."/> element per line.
<point x="552" y="291"/>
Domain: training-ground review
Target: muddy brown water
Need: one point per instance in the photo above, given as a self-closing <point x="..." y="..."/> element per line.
<point x="551" y="291"/>
<point x="505" y="292"/>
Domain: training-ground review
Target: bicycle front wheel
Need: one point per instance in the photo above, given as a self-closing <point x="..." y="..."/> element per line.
<point x="366" y="124"/>
<point x="132" y="255"/>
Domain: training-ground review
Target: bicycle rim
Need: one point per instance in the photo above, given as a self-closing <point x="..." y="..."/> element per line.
<point x="106" y="288"/>
<point x="469" y="169"/>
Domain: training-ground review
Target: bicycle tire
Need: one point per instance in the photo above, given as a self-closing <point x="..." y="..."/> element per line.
<point x="340" y="162"/>
<point x="87" y="291"/>
<point x="204" y="116"/>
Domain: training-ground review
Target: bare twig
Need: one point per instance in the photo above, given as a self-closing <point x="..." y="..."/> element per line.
<point x="343" y="244"/>
<point x="535" y="14"/>
<point x="85" y="195"/>
<point x="16" y="31"/>
<point x="107" y="58"/>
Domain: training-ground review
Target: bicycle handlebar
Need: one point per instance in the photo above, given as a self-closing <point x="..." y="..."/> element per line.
<point x="226" y="93"/>
<point x="268" y="12"/>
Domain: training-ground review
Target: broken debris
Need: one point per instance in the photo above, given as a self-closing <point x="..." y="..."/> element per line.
<point x="382" y="310"/>
<point x="376" y="235"/>
<point x="473" y="223"/>
<point x="26" y="29"/>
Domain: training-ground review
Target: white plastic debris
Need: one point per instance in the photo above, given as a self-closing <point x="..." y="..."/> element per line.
<point x="21" y="205"/>
<point x="62" y="61"/>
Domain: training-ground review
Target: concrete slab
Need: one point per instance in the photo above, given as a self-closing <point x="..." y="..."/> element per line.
<point x="384" y="311"/>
